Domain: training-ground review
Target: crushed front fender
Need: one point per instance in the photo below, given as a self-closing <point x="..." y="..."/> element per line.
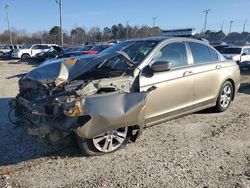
<point x="111" y="111"/>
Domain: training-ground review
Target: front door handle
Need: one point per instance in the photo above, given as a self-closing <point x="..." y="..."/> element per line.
<point x="187" y="73"/>
<point x="218" y="67"/>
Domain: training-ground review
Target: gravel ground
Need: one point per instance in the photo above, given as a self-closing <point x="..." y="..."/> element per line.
<point x="204" y="149"/>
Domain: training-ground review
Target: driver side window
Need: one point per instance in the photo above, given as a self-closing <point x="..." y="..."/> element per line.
<point x="245" y="51"/>
<point x="35" y="47"/>
<point x="174" y="53"/>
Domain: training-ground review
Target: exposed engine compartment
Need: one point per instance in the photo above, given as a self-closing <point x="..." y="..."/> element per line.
<point x="47" y="108"/>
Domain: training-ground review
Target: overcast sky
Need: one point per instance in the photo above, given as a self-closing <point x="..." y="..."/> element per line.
<point x="36" y="15"/>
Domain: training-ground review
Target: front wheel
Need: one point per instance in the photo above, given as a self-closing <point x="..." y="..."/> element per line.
<point x="25" y="56"/>
<point x="225" y="97"/>
<point x="105" y="143"/>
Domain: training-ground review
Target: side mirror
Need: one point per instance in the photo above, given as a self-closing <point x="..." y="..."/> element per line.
<point x="243" y="54"/>
<point x="160" y="66"/>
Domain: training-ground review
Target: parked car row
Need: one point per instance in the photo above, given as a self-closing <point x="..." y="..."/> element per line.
<point x="6" y="50"/>
<point x="107" y="99"/>
<point x="43" y="52"/>
<point x="240" y="54"/>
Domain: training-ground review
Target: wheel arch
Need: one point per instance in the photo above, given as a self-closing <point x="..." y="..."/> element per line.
<point x="229" y="79"/>
<point x="233" y="84"/>
<point x="25" y="54"/>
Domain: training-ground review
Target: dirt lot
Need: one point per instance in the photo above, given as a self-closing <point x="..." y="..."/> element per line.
<point x="205" y="149"/>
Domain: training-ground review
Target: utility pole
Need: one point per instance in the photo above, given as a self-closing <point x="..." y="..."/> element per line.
<point x="221" y="28"/>
<point x="127" y="28"/>
<point x="205" y="24"/>
<point x="59" y="2"/>
<point x="244" y="26"/>
<point x="154" y="18"/>
<point x="230" y="28"/>
<point x="8" y="23"/>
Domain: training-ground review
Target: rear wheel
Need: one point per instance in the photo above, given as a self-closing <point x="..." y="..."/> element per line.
<point x="225" y="97"/>
<point x="25" y="56"/>
<point x="1" y="54"/>
<point x="105" y="143"/>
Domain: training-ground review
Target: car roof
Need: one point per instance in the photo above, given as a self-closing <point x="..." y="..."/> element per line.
<point x="162" y="38"/>
<point x="245" y="46"/>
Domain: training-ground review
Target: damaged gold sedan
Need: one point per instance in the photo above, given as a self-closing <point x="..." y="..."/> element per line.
<point x="107" y="99"/>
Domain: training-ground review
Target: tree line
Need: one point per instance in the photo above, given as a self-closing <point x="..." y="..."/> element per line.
<point x="80" y="35"/>
<point x="231" y="38"/>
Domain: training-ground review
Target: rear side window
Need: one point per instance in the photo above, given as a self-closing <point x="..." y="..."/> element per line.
<point x="214" y="55"/>
<point x="200" y="52"/>
<point x="40" y="47"/>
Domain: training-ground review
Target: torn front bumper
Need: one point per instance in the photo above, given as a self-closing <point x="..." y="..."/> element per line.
<point x="88" y="117"/>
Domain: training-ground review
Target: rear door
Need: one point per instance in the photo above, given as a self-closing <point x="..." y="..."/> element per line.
<point x="38" y="49"/>
<point x="207" y="69"/>
<point x="174" y="88"/>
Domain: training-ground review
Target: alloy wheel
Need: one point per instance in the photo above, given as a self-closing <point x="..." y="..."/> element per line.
<point x="111" y="140"/>
<point x="226" y="96"/>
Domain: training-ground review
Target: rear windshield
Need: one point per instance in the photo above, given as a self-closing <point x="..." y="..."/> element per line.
<point x="231" y="50"/>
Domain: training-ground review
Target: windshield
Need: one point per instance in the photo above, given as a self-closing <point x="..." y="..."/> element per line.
<point x="136" y="50"/>
<point x="231" y="51"/>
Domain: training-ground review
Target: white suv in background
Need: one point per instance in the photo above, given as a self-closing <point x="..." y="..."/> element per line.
<point x="28" y="51"/>
<point x="237" y="53"/>
<point x="5" y="49"/>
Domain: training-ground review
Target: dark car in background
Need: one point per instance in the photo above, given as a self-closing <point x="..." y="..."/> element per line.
<point x="77" y="51"/>
<point x="54" y="52"/>
<point x="97" y="49"/>
<point x="220" y="47"/>
<point x="6" y="50"/>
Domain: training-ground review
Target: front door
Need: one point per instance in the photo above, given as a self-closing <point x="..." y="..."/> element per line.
<point x="174" y="88"/>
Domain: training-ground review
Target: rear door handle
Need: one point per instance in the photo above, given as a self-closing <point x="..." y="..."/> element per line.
<point x="187" y="73"/>
<point x="218" y="67"/>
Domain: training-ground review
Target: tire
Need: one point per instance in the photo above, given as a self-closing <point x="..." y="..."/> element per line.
<point x="1" y="54"/>
<point x="225" y="97"/>
<point x="89" y="147"/>
<point x="25" y="56"/>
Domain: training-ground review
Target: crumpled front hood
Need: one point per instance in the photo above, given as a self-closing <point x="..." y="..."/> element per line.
<point x="61" y="70"/>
